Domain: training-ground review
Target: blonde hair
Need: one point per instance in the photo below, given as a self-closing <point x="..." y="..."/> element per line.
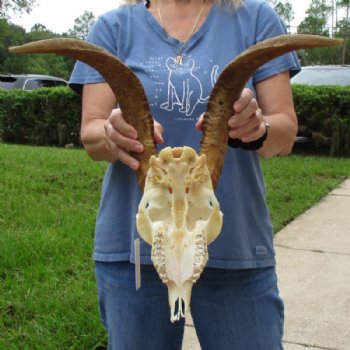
<point x="234" y="3"/>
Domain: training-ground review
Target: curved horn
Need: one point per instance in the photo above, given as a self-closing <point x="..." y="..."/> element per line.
<point x="230" y="84"/>
<point x="126" y="86"/>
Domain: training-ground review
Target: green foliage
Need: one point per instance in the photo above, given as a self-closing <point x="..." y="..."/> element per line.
<point x="285" y="9"/>
<point x="320" y="56"/>
<point x="316" y="20"/>
<point x="52" y="117"/>
<point x="12" y="35"/>
<point x="326" y="18"/>
<point x="82" y="25"/>
<point x="49" y="116"/>
<point x="296" y="183"/>
<point x="18" y="6"/>
<point x="48" y="202"/>
<point x="324" y="117"/>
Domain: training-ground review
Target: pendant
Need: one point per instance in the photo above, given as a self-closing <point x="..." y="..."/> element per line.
<point x="178" y="59"/>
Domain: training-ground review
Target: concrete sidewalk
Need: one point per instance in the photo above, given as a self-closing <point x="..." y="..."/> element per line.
<point x="313" y="263"/>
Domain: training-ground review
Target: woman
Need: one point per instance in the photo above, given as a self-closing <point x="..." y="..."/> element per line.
<point x="177" y="48"/>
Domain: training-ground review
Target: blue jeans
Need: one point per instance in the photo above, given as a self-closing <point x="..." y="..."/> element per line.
<point x="231" y="309"/>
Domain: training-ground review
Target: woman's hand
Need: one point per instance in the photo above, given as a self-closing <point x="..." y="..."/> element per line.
<point x="121" y="139"/>
<point x="247" y="122"/>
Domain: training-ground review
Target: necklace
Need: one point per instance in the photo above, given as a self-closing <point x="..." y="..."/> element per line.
<point x="178" y="54"/>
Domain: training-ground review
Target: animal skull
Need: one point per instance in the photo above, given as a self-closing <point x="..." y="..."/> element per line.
<point x="179" y="214"/>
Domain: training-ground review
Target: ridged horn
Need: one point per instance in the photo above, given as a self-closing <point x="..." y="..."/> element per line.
<point x="230" y="84"/>
<point x="125" y="85"/>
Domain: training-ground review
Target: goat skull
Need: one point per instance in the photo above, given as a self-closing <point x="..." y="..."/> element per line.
<point x="179" y="214"/>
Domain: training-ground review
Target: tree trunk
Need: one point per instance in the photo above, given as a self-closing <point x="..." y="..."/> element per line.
<point x="343" y="56"/>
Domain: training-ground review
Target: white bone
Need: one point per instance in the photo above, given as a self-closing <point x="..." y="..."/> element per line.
<point x="179" y="216"/>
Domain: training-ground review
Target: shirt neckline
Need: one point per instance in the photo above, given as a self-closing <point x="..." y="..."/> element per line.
<point x="174" y="42"/>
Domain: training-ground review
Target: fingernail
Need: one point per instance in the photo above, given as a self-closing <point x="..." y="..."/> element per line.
<point x="233" y="134"/>
<point x="134" y="165"/>
<point x="132" y="135"/>
<point x="237" y="106"/>
<point x="139" y="148"/>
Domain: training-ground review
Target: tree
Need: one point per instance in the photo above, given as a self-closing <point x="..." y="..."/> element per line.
<point x="82" y="25"/>
<point x="317" y="18"/>
<point x="284" y="9"/>
<point x="18" y="6"/>
<point x="11" y="35"/>
<point x="343" y="27"/>
<point x="316" y="23"/>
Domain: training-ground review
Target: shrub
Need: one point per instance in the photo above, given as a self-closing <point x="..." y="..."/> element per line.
<point x="49" y="116"/>
<point x="52" y="117"/>
<point x="324" y="117"/>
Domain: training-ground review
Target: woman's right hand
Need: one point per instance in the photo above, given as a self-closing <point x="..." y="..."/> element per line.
<point x="121" y="139"/>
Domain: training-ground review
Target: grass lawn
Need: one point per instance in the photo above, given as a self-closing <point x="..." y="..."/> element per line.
<point x="48" y="202"/>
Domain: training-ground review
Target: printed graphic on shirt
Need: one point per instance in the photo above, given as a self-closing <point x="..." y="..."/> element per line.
<point x="183" y="90"/>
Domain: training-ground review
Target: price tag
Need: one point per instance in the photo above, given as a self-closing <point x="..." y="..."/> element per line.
<point x="137" y="264"/>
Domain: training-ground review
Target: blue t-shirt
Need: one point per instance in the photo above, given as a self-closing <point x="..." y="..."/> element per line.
<point x="177" y="95"/>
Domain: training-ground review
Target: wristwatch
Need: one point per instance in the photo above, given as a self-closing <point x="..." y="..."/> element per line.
<point x="253" y="145"/>
<point x="267" y="127"/>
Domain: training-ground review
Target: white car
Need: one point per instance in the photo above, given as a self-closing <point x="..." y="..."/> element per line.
<point x="30" y="81"/>
<point x="323" y="75"/>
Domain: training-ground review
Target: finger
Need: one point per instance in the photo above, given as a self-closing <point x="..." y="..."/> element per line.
<point x="112" y="148"/>
<point x="243" y="130"/>
<point x="127" y="159"/>
<point x="199" y="124"/>
<point x="158" y="133"/>
<point x="126" y="142"/>
<point x="242" y="117"/>
<point x="122" y="155"/>
<point x="250" y="126"/>
<point x="254" y="134"/>
<point x="115" y="137"/>
<point x="119" y="123"/>
<point x="243" y="101"/>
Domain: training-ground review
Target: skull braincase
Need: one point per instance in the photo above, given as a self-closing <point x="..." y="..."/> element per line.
<point x="179" y="216"/>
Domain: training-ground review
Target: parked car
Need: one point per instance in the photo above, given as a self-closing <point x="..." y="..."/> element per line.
<point x="30" y="81"/>
<point x="323" y="75"/>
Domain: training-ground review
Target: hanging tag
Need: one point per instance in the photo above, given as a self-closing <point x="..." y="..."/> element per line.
<point x="137" y="264"/>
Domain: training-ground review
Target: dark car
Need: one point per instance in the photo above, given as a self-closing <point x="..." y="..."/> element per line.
<point x="323" y="75"/>
<point x="30" y="81"/>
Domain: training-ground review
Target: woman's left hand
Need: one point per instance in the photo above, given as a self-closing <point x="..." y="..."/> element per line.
<point x="247" y="122"/>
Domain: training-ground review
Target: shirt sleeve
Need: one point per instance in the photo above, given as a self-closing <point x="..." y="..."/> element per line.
<point x="269" y="25"/>
<point x="103" y="35"/>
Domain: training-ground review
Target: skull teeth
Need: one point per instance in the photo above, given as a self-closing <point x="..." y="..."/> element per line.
<point x="158" y="256"/>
